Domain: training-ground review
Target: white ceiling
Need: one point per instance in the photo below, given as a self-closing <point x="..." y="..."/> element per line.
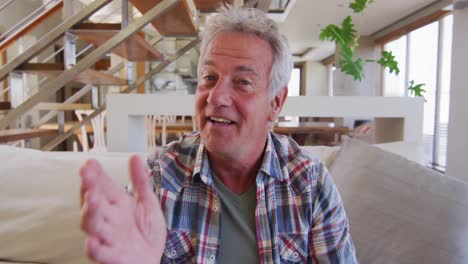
<point x="307" y="17"/>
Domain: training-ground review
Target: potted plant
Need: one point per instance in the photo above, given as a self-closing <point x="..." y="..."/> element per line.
<point x="346" y="39"/>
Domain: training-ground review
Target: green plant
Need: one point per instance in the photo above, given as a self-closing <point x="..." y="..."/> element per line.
<point x="359" y="5"/>
<point x="416" y="89"/>
<point x="346" y="39"/>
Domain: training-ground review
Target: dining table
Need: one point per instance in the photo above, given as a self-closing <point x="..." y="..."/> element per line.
<point x="299" y="130"/>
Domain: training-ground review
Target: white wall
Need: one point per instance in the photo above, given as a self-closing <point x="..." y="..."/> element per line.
<point x="344" y="85"/>
<point x="457" y="157"/>
<point x="316" y="77"/>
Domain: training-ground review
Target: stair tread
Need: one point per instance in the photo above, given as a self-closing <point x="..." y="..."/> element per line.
<point x="67" y="126"/>
<point x="176" y="21"/>
<point x="8" y="135"/>
<point x="88" y="76"/>
<point x="4" y="105"/>
<point x="33" y="67"/>
<point x="135" y="48"/>
<point x="211" y="5"/>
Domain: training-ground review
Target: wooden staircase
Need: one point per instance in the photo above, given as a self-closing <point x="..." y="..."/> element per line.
<point x="5" y="106"/>
<point x="171" y="18"/>
<point x="7" y="41"/>
<point x="135" y="48"/>
<point x="176" y="22"/>
<point x="211" y="5"/>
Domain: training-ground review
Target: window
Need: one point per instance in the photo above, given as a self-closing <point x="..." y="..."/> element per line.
<point x="295" y="85"/>
<point x="424" y="55"/>
<point x="393" y="83"/>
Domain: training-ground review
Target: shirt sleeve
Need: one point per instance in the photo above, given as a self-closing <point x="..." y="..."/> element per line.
<point x="329" y="237"/>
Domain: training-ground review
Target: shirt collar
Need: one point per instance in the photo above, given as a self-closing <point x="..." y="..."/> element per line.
<point x="270" y="163"/>
<point x="202" y="169"/>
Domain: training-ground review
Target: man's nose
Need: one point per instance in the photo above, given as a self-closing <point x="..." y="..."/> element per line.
<point x="220" y="94"/>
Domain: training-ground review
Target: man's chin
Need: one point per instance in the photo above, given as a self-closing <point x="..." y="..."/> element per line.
<point x="218" y="145"/>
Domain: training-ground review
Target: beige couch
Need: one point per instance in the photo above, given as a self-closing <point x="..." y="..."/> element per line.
<point x="399" y="211"/>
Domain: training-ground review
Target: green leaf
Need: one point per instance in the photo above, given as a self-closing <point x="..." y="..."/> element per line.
<point x="416" y="89"/>
<point x="346" y="39"/>
<point x="344" y="36"/>
<point x="332" y="33"/>
<point x="351" y="66"/>
<point x="359" y="5"/>
<point x="349" y="33"/>
<point x="388" y="61"/>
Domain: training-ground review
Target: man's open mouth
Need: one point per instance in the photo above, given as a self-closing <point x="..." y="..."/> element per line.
<point x="220" y="120"/>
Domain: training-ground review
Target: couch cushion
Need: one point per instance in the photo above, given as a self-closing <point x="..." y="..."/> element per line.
<point x="39" y="209"/>
<point x="324" y="153"/>
<point x="399" y="211"/>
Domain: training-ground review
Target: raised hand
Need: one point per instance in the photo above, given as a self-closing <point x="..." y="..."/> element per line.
<point x="121" y="228"/>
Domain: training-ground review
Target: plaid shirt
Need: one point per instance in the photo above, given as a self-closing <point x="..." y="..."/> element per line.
<point x="299" y="216"/>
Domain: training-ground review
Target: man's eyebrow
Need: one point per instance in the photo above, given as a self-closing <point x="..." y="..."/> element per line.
<point x="209" y="62"/>
<point x="244" y="68"/>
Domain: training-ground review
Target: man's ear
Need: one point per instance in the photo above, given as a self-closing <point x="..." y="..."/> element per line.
<point x="277" y="103"/>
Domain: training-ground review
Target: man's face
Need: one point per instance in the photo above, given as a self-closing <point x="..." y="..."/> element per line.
<point x="233" y="106"/>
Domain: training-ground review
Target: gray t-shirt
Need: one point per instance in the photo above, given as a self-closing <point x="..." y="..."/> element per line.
<point x="238" y="236"/>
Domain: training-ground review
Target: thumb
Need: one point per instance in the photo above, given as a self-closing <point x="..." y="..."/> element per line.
<point x="140" y="180"/>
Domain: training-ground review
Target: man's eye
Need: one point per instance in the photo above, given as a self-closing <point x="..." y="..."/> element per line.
<point x="245" y="82"/>
<point x="209" y="78"/>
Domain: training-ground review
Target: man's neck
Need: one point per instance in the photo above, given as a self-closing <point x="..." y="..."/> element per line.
<point x="237" y="173"/>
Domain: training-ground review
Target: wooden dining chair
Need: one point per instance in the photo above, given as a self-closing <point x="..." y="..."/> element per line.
<point x="152" y="121"/>
<point x="97" y="123"/>
<point x="151" y="136"/>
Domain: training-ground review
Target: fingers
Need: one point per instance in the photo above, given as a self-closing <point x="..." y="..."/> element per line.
<point x="139" y="176"/>
<point x="94" y="177"/>
<point x="98" y="252"/>
<point x="82" y="194"/>
<point x="96" y="218"/>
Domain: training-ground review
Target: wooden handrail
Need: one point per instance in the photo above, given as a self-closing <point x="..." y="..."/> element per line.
<point x="9" y="40"/>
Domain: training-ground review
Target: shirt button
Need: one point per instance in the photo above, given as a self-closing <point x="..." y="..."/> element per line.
<point x="173" y="253"/>
<point x="212" y="258"/>
<point x="215" y="208"/>
<point x="295" y="255"/>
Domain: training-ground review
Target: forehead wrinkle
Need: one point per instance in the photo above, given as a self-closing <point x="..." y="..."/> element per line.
<point x="240" y="68"/>
<point x="209" y="63"/>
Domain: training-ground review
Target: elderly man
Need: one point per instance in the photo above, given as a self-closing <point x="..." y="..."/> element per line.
<point x="234" y="192"/>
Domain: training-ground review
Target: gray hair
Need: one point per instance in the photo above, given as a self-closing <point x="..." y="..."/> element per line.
<point x="253" y="21"/>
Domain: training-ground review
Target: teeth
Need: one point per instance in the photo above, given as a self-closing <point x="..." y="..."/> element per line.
<point x="219" y="119"/>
